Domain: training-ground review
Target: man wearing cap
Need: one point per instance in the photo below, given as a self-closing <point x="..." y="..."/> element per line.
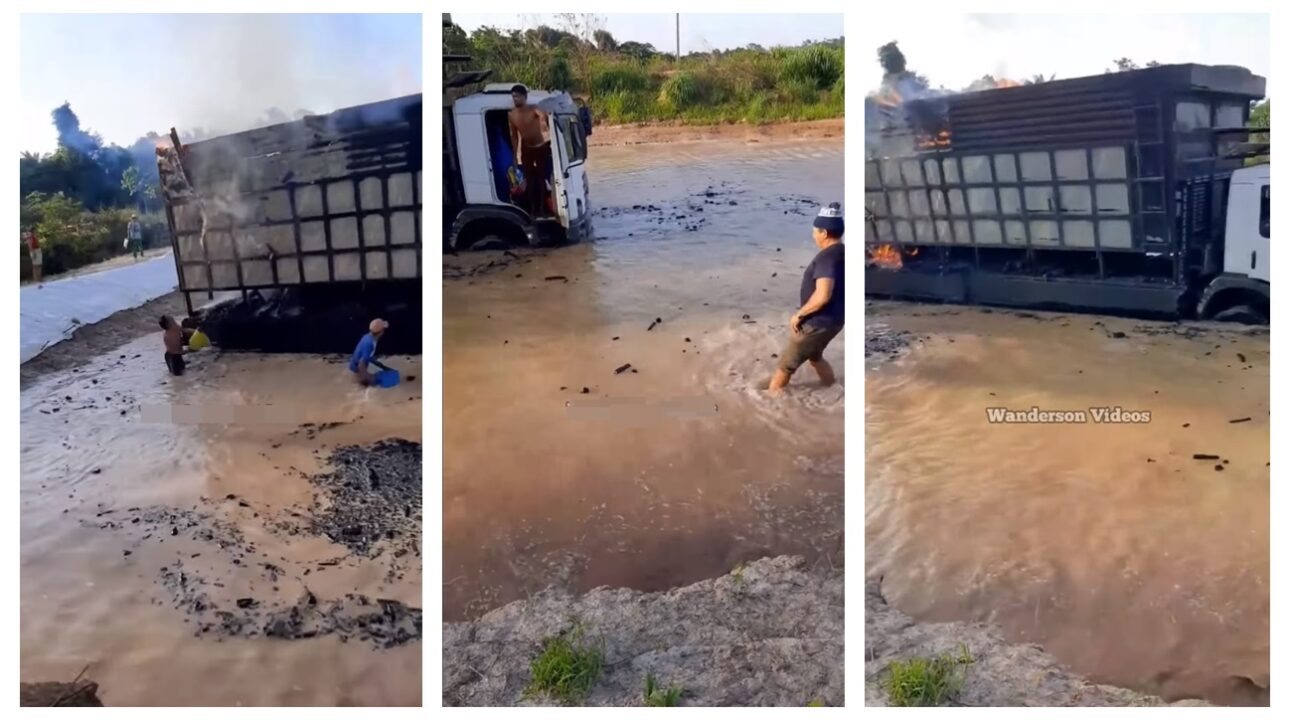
<point x="820" y="318"/>
<point x="365" y="354"/>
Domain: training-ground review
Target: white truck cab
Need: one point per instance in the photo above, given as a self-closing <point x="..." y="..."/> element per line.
<point x="479" y="210"/>
<point x="1242" y="291"/>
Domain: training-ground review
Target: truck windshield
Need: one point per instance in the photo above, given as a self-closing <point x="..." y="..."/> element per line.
<point x="1265" y="212"/>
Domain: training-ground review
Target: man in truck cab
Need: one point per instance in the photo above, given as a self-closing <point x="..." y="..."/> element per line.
<point x="532" y="148"/>
<point x="820" y="317"/>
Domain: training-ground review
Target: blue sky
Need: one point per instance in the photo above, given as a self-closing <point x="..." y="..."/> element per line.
<point x="954" y="50"/>
<point x="127" y="74"/>
<point x="698" y="32"/>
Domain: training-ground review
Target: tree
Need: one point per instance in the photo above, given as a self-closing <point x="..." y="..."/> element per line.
<point x="1037" y="79"/>
<point x="640" y="51"/>
<point x="582" y="27"/>
<point x="1124" y="64"/>
<point x="604" y="41"/>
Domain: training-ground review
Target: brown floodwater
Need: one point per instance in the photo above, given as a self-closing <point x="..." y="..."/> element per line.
<point x="680" y="467"/>
<point x="1108" y="544"/>
<point x="119" y="433"/>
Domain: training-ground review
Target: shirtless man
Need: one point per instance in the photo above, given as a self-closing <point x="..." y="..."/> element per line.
<point x="173" y="338"/>
<point x="532" y="149"/>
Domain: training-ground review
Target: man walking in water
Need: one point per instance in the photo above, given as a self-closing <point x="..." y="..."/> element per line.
<point x="134" y="233"/>
<point x="532" y="150"/>
<point x="820" y="318"/>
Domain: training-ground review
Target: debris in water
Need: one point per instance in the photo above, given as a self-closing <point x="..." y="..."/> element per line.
<point x="556" y="277"/>
<point x="1239" y="420"/>
<point x="654" y="324"/>
<point x="622" y="368"/>
<point x="1204" y="456"/>
<point x="1218" y="468"/>
<point x="586" y="390"/>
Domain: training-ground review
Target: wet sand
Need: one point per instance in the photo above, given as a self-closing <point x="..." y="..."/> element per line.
<point x="558" y="470"/>
<point x="215" y="467"/>
<point x="776" y="133"/>
<point x="1132" y="562"/>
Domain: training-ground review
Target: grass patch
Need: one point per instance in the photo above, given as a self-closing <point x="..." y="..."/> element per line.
<point x="927" y="681"/>
<point x="629" y="82"/>
<point x="658" y="696"/>
<point x="567" y="667"/>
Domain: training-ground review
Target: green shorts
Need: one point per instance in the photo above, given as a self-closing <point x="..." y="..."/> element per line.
<point x="806" y="345"/>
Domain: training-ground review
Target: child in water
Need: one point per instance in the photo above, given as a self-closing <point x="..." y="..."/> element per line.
<point x="174" y="338"/>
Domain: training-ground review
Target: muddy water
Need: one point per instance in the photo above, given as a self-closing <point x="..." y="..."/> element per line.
<point x="1108" y="544"/>
<point x="118" y="437"/>
<point x="679" y="467"/>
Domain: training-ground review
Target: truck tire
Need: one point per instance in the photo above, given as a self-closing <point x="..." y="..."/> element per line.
<point x="1246" y="314"/>
<point x="490" y="242"/>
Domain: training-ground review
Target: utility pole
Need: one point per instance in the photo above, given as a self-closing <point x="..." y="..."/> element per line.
<point x="678" y="38"/>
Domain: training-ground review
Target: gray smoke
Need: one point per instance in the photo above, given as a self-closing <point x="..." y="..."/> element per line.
<point x="259" y="70"/>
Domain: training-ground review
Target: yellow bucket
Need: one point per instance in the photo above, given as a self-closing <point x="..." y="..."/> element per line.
<point x="198" y="340"/>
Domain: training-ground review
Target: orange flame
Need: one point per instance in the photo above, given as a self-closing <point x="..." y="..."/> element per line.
<point x="886" y="257"/>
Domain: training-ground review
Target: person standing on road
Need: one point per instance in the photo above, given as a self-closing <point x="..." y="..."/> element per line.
<point x="134" y="232"/>
<point x="365" y="354"/>
<point x="821" y="316"/>
<point x="37" y="256"/>
<point x="532" y="149"/>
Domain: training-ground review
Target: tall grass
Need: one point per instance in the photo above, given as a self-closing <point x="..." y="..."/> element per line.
<point x="746" y="85"/>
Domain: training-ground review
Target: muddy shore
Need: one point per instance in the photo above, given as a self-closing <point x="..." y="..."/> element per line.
<point x="1001" y="674"/>
<point x="768" y="633"/>
<point x="96" y="339"/>
<point x="649" y="133"/>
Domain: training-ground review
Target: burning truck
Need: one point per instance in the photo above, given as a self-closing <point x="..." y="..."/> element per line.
<point x="1127" y="192"/>
<point x="297" y="234"/>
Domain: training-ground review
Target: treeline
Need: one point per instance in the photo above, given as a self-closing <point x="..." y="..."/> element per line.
<point x="79" y="198"/>
<point x="634" y="82"/>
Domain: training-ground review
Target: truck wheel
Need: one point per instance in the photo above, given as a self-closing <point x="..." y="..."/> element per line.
<point x="1246" y="314"/>
<point x="490" y="242"/>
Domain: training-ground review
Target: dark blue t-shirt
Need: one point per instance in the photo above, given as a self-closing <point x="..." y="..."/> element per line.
<point x="827" y="264"/>
<point x="365" y="352"/>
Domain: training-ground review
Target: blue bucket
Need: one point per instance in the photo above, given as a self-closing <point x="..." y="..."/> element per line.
<point x="387" y="378"/>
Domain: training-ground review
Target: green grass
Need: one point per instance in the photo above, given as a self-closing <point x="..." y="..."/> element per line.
<point x="567" y="667"/>
<point x="753" y="86"/>
<point x="657" y="696"/>
<point x="926" y="681"/>
<point x="816" y="703"/>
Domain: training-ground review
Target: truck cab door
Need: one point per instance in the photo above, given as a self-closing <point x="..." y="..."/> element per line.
<point x="569" y="179"/>
<point x="1247" y="238"/>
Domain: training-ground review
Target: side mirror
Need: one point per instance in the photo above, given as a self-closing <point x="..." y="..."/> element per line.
<point x="584" y="116"/>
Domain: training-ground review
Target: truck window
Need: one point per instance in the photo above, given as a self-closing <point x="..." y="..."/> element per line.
<point x="1265" y="212"/>
<point x="1191" y="115"/>
<point x="1229" y="115"/>
<point x="575" y="140"/>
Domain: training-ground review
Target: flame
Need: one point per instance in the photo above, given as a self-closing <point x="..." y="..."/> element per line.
<point x="885" y="256"/>
<point x="929" y="142"/>
<point x="1006" y="83"/>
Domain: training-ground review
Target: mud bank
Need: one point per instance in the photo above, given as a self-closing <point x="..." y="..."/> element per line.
<point x="82" y="693"/>
<point x="1001" y="674"/>
<point x="648" y="133"/>
<point x="369" y="503"/>
<point x="100" y="338"/>
<point x="768" y="633"/>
